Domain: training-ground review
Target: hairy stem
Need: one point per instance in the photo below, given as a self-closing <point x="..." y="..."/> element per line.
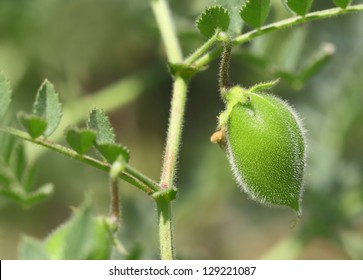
<point x="115" y="208"/>
<point x="166" y="26"/>
<point x="224" y="82"/>
<point x="241" y="39"/>
<point x="165" y="228"/>
<point x="129" y="174"/>
<point x="174" y="133"/>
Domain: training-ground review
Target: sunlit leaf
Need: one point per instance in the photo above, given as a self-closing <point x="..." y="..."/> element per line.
<point x="48" y="107"/>
<point x="212" y="19"/>
<point x="342" y="3"/>
<point x="5" y="94"/>
<point x="33" y="124"/>
<point x="255" y="12"/>
<point x="300" y="7"/>
<point x="81" y="140"/>
<point x="99" y="122"/>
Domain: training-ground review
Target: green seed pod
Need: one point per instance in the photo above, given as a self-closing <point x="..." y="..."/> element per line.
<point x="265" y="146"/>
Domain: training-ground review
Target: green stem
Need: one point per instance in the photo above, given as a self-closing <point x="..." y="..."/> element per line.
<point x="174" y="133"/>
<point x="129" y="174"/>
<point x="165" y="228"/>
<point x="166" y="26"/>
<point x="241" y="39"/>
<point x="201" y="50"/>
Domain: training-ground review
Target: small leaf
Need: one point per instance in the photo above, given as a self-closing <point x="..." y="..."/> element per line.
<point x="255" y="12"/>
<point x="33" y="124"/>
<point x="300" y="7"/>
<point x="81" y="140"/>
<point x="212" y="19"/>
<point x="263" y="87"/>
<point x="48" y="107"/>
<point x="236" y="23"/>
<point x="5" y="94"/>
<point x="112" y="151"/>
<point x="32" y="249"/>
<point x="100" y="123"/>
<point x="342" y="3"/>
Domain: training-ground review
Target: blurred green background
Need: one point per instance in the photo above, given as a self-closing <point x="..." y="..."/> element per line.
<point x="87" y="46"/>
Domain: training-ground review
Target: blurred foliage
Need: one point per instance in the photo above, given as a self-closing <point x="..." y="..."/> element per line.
<point x="83" y="46"/>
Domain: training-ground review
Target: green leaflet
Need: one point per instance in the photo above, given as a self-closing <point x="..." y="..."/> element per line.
<point x="48" y="107"/>
<point x="105" y="137"/>
<point x="81" y="140"/>
<point x="112" y="151"/>
<point x="99" y="122"/>
<point x="5" y="94"/>
<point x="300" y="7"/>
<point x="212" y="19"/>
<point x="255" y="12"/>
<point x="342" y="3"/>
<point x="33" y="124"/>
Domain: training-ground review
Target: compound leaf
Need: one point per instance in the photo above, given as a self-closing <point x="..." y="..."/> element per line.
<point x="81" y="140"/>
<point x="99" y="122"/>
<point x="48" y="107"/>
<point x="33" y="124"/>
<point x="255" y="12"/>
<point x="342" y="3"/>
<point x="300" y="7"/>
<point x="212" y="19"/>
<point x="5" y="94"/>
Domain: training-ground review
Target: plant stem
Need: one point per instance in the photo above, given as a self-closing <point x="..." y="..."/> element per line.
<point x="165" y="228"/>
<point x="115" y="202"/>
<point x="224" y="82"/>
<point x="166" y="26"/>
<point x="174" y="133"/>
<point x="241" y="39"/>
<point x="201" y="50"/>
<point x="129" y="174"/>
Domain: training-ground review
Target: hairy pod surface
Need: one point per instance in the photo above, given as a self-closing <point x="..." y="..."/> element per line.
<point x="266" y="149"/>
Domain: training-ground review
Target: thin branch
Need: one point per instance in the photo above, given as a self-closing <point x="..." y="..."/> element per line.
<point x="241" y="39"/>
<point x="130" y="175"/>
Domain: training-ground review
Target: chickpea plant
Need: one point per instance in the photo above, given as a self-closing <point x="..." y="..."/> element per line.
<point x="261" y="134"/>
